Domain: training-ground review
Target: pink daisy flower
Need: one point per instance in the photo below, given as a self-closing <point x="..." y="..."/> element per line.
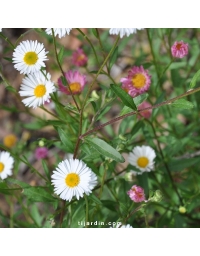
<point x="147" y="113"/>
<point x="75" y="80"/>
<point x="136" y="193"/>
<point x="79" y="58"/>
<point x="179" y="49"/>
<point x="137" y="82"/>
<point x="41" y="152"/>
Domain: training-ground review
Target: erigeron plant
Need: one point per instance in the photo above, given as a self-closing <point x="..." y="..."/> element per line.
<point x="90" y="170"/>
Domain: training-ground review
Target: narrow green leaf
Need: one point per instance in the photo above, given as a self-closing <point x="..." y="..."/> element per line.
<point x="94" y="199"/>
<point x="94" y="32"/>
<point x="125" y="111"/>
<point x="140" y="98"/>
<point x="8" y="59"/>
<point x="11" y="89"/>
<point x="194" y="79"/>
<point x="64" y="81"/>
<point x="38" y="194"/>
<point x="46" y="169"/>
<point x="61" y="54"/>
<point x="105" y="149"/>
<point x="176" y="65"/>
<point x="182" y="103"/>
<point x="113" y="58"/>
<point x="124" y="96"/>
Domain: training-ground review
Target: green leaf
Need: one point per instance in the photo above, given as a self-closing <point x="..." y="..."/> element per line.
<point x="8" y="59"/>
<point x="66" y="139"/>
<point x="194" y="79"/>
<point x="140" y="98"/>
<point x="113" y="58"/>
<point x="11" y="89"/>
<point x="60" y="54"/>
<point x="94" y="32"/>
<point x="34" y="125"/>
<point x="181" y="164"/>
<point x="125" y="111"/>
<point x="105" y="149"/>
<point x="64" y="81"/>
<point x="182" y="103"/>
<point x="176" y="65"/>
<point x="38" y="194"/>
<point x="46" y="169"/>
<point x="94" y="199"/>
<point x="124" y="96"/>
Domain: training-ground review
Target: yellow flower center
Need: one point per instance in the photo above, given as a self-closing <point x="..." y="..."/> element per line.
<point x="10" y="140"/>
<point x="1" y="167"/>
<point x="75" y="87"/>
<point x="142" y="161"/>
<point x="40" y="90"/>
<point x="81" y="57"/>
<point x="138" y="81"/>
<point x="72" y="180"/>
<point x="30" y="58"/>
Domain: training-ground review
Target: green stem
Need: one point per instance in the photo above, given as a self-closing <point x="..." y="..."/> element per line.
<point x="7" y="40"/>
<point x="58" y="62"/>
<point x="102" y="49"/>
<point x="165" y="163"/>
<point x="153" y="54"/>
<point x="103" y="180"/>
<point x="87" y="95"/>
<point x="22" y="35"/>
<point x="85" y="36"/>
<point x="167" y="102"/>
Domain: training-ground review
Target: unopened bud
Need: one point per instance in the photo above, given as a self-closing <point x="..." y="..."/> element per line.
<point x="182" y="209"/>
<point x="41" y="143"/>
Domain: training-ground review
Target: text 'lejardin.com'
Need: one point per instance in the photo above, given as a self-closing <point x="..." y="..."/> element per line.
<point x="99" y="223"/>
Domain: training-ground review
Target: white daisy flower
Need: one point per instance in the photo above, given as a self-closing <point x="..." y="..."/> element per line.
<point x="123" y="31"/>
<point x="29" y="57"/>
<point x="6" y="164"/>
<point x="37" y="87"/>
<point x="73" y="178"/>
<point x="142" y="158"/>
<point x="61" y="32"/>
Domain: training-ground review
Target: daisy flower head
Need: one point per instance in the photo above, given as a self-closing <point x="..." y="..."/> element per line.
<point x="73" y="178"/>
<point x="6" y="164"/>
<point x="136" y="193"/>
<point x="37" y="87"/>
<point x="79" y="58"/>
<point x="123" y="31"/>
<point x="75" y="80"/>
<point x="179" y="49"/>
<point x="137" y="82"/>
<point x="41" y="152"/>
<point x="60" y="32"/>
<point x="142" y="158"/>
<point x="147" y="113"/>
<point x="29" y="57"/>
